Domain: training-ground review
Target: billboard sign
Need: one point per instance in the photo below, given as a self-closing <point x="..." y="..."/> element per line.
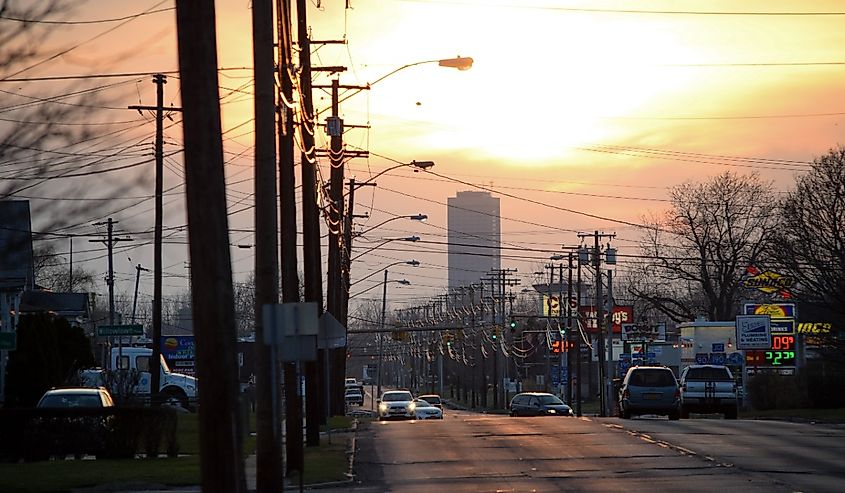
<point x="179" y="353"/>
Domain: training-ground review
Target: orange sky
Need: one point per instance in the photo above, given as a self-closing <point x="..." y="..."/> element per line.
<point x="553" y="85"/>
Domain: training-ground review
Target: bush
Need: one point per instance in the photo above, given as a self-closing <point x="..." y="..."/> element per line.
<point x="772" y="391"/>
<point x="37" y="434"/>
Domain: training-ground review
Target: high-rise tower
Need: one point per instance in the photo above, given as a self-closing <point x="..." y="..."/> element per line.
<point x="474" y="237"/>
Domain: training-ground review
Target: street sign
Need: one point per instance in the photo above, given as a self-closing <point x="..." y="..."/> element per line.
<point x="735" y="358"/>
<point x="702" y="358"/>
<point x="8" y="341"/>
<point x="753" y="332"/>
<point x="120" y="330"/>
<point x="718" y="347"/>
<point x="717" y="358"/>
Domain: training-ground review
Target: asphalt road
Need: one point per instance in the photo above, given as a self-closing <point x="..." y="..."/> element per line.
<point x="477" y="452"/>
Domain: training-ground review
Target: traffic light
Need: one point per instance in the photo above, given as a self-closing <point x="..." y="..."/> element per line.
<point x="513" y="325"/>
<point x="495" y="334"/>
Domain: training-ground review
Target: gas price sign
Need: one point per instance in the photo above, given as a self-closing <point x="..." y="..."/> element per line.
<point x="782" y="353"/>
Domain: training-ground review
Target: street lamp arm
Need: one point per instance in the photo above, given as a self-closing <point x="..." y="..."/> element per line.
<point x="416" y="217"/>
<point x="403" y="282"/>
<point x="371" y="274"/>
<point x="385" y="242"/>
<point x="458" y="63"/>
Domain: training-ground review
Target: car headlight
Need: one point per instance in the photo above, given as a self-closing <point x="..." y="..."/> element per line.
<point x="412" y="406"/>
<point x="382" y="407"/>
<point x="551" y="411"/>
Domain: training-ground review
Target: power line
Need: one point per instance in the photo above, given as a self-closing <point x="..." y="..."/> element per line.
<point x="98" y="21"/>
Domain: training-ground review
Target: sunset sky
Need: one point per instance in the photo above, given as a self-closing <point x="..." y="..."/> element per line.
<point x="573" y="111"/>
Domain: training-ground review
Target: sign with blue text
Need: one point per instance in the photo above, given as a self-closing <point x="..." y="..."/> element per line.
<point x="753" y="332"/>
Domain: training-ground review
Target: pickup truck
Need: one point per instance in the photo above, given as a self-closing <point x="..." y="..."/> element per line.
<point x="132" y="373"/>
<point x="708" y="389"/>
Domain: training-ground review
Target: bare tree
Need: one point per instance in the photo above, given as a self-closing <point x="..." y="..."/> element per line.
<point x="52" y="271"/>
<point x="696" y="254"/>
<point x="811" y="244"/>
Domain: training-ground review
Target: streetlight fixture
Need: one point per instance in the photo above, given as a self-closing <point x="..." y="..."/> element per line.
<point x="413" y="217"/>
<point x="413" y="263"/>
<point x="460" y="63"/>
<point x="407" y="238"/>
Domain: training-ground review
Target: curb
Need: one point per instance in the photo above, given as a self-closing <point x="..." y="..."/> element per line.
<point x="350" y="472"/>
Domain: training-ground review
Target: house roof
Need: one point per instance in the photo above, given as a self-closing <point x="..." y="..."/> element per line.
<point x="63" y="304"/>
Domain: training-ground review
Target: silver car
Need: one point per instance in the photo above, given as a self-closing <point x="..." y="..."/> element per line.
<point x="425" y="410"/>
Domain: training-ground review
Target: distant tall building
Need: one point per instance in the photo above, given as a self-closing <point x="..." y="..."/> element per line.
<point x="474" y="237"/>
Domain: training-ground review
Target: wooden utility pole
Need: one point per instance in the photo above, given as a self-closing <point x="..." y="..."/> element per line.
<point x="310" y="223"/>
<point x="109" y="242"/>
<point x="155" y="363"/>
<point x="221" y="455"/>
<point x="287" y="214"/>
<point x="269" y="470"/>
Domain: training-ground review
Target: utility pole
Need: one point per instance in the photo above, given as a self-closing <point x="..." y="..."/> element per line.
<point x="551" y="268"/>
<point x="578" y="346"/>
<point x="287" y="220"/>
<point x="310" y="223"/>
<point x="155" y="362"/>
<point x="138" y="270"/>
<point x="599" y="307"/>
<point x="564" y="336"/>
<point x="221" y="454"/>
<point x="569" y="334"/>
<point x="608" y="372"/>
<point x="109" y="242"/>
<point x="269" y="469"/>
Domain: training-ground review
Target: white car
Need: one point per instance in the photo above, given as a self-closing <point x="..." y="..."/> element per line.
<point x="396" y="404"/>
<point x="424" y="410"/>
<point x="354" y="397"/>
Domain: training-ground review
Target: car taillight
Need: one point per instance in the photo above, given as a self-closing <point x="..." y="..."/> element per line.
<point x="677" y="393"/>
<point x="626" y="394"/>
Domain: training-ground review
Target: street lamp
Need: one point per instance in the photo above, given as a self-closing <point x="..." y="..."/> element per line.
<point x="413" y="238"/>
<point x="413" y="263"/>
<point x="381" y="332"/>
<point x="460" y="63"/>
<point x="413" y="217"/>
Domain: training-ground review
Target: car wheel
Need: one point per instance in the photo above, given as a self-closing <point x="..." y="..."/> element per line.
<point x="684" y="412"/>
<point x="731" y="413"/>
<point x="175" y="398"/>
<point x="675" y="416"/>
<point x="624" y="413"/>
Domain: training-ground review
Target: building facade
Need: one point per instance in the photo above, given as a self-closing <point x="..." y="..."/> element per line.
<point x="474" y="237"/>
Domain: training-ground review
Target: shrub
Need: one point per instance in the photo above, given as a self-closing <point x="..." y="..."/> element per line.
<point x="773" y="391"/>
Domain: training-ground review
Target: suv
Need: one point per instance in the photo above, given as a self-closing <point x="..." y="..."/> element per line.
<point x="649" y="390"/>
<point x="708" y="389"/>
<point x="432" y="399"/>
<point x="396" y="404"/>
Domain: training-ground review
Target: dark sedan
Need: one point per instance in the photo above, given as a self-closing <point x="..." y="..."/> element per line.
<point x="538" y="404"/>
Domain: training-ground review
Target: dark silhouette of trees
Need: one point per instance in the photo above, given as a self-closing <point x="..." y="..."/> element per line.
<point x="810" y="244"/>
<point x="50" y="352"/>
<point x="696" y="254"/>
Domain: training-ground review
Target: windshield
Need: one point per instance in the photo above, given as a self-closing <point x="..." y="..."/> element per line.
<point x="549" y="399"/>
<point x="708" y="374"/>
<point x="652" y="378"/>
<point x="70" y="400"/>
<point x="397" y="396"/>
<point x="432" y="399"/>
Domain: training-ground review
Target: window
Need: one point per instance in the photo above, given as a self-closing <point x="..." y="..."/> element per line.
<point x="652" y="378"/>
<point x="123" y="363"/>
<point x="142" y="363"/>
<point x="697" y="374"/>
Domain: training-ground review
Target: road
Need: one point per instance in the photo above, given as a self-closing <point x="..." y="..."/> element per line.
<point x="478" y="452"/>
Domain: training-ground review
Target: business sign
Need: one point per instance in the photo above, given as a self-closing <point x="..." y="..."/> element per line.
<point x="783" y="326"/>
<point x="814" y="328"/>
<point x="753" y="332"/>
<point x="180" y="353"/>
<point x="773" y="310"/>
<point x="551" y="306"/>
<point x="620" y="315"/>
<point x="768" y="282"/>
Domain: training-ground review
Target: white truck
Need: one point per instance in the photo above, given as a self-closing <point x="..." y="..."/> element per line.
<point x="132" y="369"/>
<point x="708" y="389"/>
